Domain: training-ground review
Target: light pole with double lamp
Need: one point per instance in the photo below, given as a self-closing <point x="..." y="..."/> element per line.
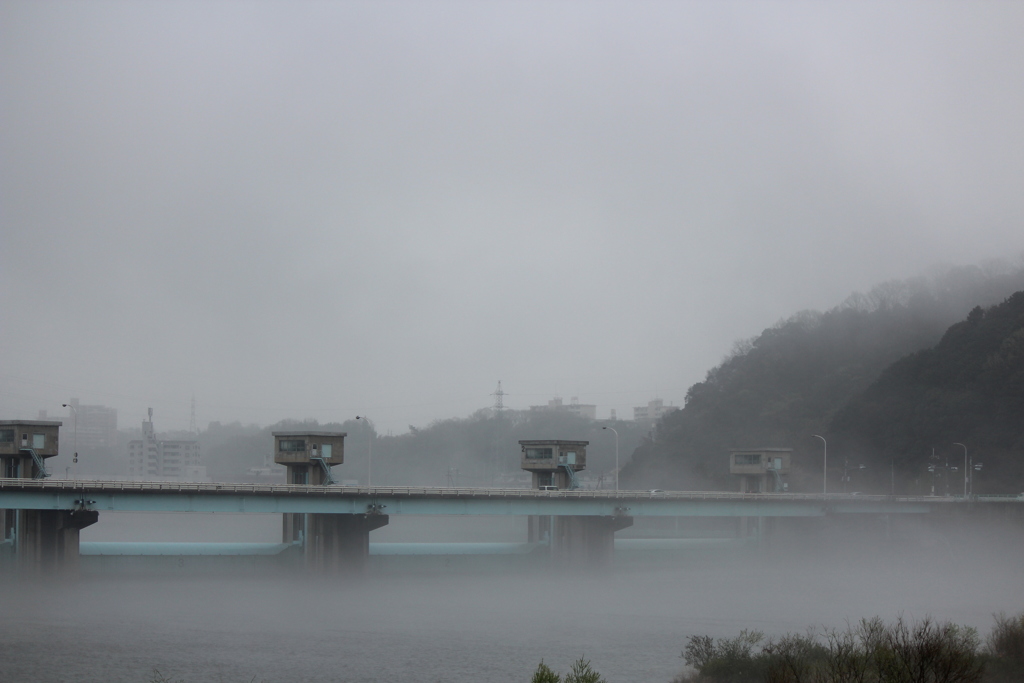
<point x="75" y="458"/>
<point x="616" y="456"/>
<point x="369" y="450"/>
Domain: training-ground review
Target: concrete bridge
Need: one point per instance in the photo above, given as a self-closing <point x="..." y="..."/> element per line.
<point x="333" y="523"/>
<point x="53" y="494"/>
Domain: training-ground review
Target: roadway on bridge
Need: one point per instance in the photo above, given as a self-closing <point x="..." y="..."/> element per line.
<point x="51" y="494"/>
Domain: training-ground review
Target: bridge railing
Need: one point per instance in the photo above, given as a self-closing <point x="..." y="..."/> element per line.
<point x="213" y="488"/>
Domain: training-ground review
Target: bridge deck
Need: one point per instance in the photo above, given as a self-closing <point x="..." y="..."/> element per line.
<point x="277" y="498"/>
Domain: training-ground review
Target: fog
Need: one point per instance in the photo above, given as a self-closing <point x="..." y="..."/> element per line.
<point x="319" y="210"/>
<point x="410" y="621"/>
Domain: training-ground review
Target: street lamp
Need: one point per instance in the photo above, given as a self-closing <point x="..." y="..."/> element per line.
<point x="824" y="477"/>
<point x="369" y="448"/>
<point x="965" y="466"/>
<point x="75" y="411"/>
<point x="616" y="457"/>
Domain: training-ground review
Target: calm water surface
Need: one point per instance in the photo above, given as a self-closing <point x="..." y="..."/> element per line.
<point x="630" y="624"/>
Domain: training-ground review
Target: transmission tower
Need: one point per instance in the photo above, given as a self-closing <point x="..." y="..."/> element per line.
<point x="499" y="399"/>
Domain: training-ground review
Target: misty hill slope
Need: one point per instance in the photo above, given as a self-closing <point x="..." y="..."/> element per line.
<point x="967" y="389"/>
<point x="789" y="382"/>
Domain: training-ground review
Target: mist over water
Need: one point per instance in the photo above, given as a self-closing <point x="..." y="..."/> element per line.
<point x="416" y="624"/>
<point x="242" y="213"/>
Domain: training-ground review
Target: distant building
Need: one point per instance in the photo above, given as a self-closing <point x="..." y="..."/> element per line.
<point x="24" y="446"/>
<point x="652" y="412"/>
<point x="760" y="469"/>
<point x="268" y="471"/>
<point x="89" y="428"/>
<point x="587" y="410"/>
<point x="153" y="459"/>
<point x="554" y="463"/>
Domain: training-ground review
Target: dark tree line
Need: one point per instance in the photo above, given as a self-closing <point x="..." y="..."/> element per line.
<point x="968" y="389"/>
<point x="817" y="373"/>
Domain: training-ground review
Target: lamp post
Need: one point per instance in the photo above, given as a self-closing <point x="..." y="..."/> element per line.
<point x="846" y="471"/>
<point x="75" y="458"/>
<point x="369" y="450"/>
<point x="824" y="476"/>
<point x="975" y="467"/>
<point x="945" y="468"/>
<point x="616" y="457"/>
<point x="966" y="471"/>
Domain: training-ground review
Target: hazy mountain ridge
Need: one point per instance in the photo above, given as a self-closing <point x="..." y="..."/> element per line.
<point x="792" y="380"/>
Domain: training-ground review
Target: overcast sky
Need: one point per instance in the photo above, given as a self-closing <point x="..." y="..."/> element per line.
<point x="294" y="210"/>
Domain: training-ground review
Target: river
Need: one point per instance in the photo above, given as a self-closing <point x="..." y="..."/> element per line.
<point x="455" y="627"/>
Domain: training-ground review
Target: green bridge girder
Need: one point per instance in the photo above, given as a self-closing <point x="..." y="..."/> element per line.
<point x="280" y="498"/>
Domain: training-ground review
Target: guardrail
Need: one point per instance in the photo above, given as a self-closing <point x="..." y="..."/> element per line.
<point x="475" y="492"/>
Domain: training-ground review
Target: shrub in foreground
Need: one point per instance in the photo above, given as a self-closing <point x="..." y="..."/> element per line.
<point x="580" y="672"/>
<point x="1004" y="650"/>
<point x="871" y="652"/>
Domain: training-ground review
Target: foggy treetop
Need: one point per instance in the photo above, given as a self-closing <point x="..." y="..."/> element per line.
<point x="329" y="209"/>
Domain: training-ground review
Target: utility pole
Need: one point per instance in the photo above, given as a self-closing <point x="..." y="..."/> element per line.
<point x="824" y="478"/>
<point x="369" y="450"/>
<point x="499" y="409"/>
<point x="612" y="429"/>
<point x="965" y="466"/>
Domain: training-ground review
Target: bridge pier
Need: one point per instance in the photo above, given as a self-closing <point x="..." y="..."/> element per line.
<point x="46" y="541"/>
<point x="333" y="543"/>
<point x="578" y="541"/>
<point x="581" y="541"/>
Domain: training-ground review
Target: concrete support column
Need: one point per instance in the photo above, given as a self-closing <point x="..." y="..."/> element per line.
<point x="293" y="527"/>
<point x="584" y="541"/>
<point x="46" y="541"/>
<point x="538" y="529"/>
<point x="749" y="526"/>
<point x="333" y="543"/>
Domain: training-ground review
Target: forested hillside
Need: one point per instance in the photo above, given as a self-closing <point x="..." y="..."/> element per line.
<point x="794" y="379"/>
<point x="969" y="389"/>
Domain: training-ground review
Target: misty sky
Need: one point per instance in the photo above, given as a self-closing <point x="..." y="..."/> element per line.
<point x="319" y="210"/>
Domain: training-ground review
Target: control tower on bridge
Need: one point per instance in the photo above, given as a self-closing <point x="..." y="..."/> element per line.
<point x="42" y="540"/>
<point x="554" y="464"/>
<point x="330" y="542"/>
<point x="573" y="540"/>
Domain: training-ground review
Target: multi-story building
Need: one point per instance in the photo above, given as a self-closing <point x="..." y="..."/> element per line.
<point x="652" y="412"/>
<point x="89" y="428"/>
<point x="586" y="410"/>
<point x="153" y="459"/>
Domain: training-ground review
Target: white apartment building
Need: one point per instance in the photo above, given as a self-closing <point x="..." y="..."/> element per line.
<point x="652" y="412"/>
<point x="574" y="406"/>
<point x="153" y="459"/>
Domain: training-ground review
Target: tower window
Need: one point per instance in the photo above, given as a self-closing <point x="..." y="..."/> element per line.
<point x="292" y="445"/>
